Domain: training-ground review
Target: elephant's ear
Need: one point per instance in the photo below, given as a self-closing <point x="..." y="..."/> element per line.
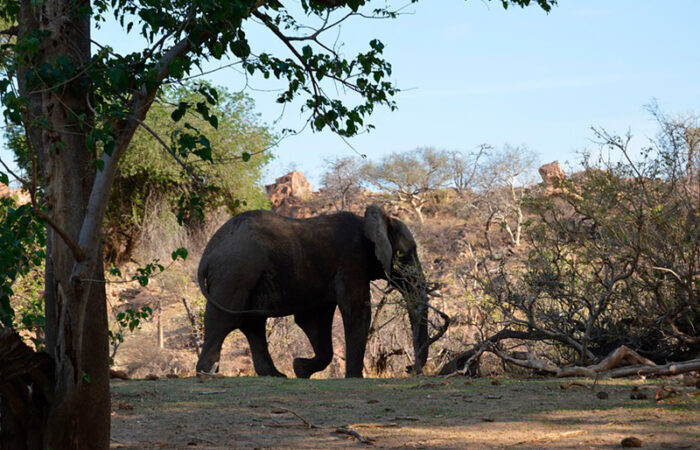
<point x="376" y="231"/>
<point x="401" y="237"/>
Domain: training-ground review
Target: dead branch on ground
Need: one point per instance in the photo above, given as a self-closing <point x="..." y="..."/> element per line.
<point x="355" y="434"/>
<point x="279" y="409"/>
<point x="622" y="362"/>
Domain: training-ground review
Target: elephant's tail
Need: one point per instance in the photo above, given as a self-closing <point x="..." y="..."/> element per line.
<point x="202" y="279"/>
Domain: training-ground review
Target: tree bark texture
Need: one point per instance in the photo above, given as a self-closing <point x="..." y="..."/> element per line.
<point x="76" y="317"/>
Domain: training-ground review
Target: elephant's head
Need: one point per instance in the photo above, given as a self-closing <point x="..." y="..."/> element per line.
<point x="395" y="249"/>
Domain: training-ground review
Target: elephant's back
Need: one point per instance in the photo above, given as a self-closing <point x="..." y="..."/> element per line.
<point x="284" y="239"/>
<point x="267" y="224"/>
<point x="240" y="226"/>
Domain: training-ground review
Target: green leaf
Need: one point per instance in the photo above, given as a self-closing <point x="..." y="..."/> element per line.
<point x="109" y="147"/>
<point x="307" y="52"/>
<point x="245" y="156"/>
<point x="178" y="113"/>
<point x="179" y="253"/>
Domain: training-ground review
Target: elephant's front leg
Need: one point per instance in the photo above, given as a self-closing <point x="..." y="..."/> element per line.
<point x="318" y="326"/>
<point x="356" y="311"/>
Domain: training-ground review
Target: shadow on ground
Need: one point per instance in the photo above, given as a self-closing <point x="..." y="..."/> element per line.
<point x="420" y="412"/>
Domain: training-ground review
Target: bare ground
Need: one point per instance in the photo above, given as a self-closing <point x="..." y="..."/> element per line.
<point x="424" y="412"/>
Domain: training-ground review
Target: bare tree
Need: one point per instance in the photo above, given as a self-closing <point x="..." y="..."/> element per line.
<point x="411" y="176"/>
<point x="612" y="264"/>
<point x="465" y="168"/>
<point x="504" y="176"/>
<point x="341" y="179"/>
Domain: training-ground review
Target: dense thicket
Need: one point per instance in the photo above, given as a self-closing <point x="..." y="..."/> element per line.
<point x="151" y="184"/>
<point x="612" y="255"/>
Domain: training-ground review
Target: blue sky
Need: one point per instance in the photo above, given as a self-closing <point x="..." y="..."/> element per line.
<point x="473" y="73"/>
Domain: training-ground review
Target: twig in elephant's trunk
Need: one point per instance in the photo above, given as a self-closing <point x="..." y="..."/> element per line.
<point x="442" y="329"/>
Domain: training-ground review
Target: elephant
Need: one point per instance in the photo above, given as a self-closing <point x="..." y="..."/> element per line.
<point x="260" y="264"/>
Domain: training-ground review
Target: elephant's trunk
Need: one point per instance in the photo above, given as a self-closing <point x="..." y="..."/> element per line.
<point x="418" y="316"/>
<point x="408" y="276"/>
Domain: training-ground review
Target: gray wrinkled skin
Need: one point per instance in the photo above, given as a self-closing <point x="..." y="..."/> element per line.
<point x="260" y="265"/>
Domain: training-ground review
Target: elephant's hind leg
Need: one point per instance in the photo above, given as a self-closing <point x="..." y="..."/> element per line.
<point x="254" y="330"/>
<point x="217" y="325"/>
<point x="318" y="325"/>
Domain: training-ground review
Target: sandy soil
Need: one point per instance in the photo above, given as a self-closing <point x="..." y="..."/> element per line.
<point x="425" y="412"/>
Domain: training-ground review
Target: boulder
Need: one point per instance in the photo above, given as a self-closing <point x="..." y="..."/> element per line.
<point x="552" y="173"/>
<point x="292" y="185"/>
<point x="290" y="195"/>
<point x="295" y="208"/>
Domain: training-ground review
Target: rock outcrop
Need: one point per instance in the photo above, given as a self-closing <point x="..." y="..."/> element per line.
<point x="21" y="197"/>
<point x="289" y="195"/>
<point x="552" y="174"/>
<point x="553" y="177"/>
<point x="292" y="185"/>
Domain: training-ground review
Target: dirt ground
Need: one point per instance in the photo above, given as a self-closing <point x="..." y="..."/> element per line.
<point x="423" y="412"/>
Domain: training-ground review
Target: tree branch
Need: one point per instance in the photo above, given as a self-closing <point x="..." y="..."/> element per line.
<point x="99" y="195"/>
<point x="276" y="31"/>
<point x="170" y="151"/>
<point x="78" y="254"/>
<point x="12" y="31"/>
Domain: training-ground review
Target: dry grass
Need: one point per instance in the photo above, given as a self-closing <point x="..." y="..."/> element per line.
<point x="419" y="412"/>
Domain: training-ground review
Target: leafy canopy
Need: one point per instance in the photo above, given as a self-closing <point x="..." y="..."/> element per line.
<point x="182" y="35"/>
<point x="150" y="178"/>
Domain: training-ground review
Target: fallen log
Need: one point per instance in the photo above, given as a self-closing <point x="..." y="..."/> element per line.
<point x="622" y="354"/>
<point x="622" y="362"/>
<point x="609" y="367"/>
<point x="467" y="363"/>
<point x="619" y="355"/>
<point x="674" y="368"/>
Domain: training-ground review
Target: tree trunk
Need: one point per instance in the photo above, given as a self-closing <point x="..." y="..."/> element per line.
<point x="417" y="207"/>
<point x="76" y="316"/>
<point x="160" y="325"/>
<point x="519" y="226"/>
